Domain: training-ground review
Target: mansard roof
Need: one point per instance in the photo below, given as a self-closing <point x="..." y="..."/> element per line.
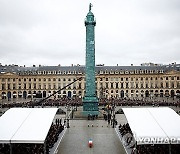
<point x="81" y="69"/>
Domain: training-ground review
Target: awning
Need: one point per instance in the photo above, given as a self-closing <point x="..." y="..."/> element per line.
<point x="26" y="125"/>
<point x="154" y="125"/>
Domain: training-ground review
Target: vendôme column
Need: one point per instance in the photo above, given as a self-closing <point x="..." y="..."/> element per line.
<point x="90" y="101"/>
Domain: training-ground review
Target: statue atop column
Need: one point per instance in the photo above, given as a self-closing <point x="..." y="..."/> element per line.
<point x="90" y="5"/>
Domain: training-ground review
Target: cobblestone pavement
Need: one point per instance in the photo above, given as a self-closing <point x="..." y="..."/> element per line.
<point x="105" y="140"/>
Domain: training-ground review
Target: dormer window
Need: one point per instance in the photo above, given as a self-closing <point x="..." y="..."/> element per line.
<point x="126" y="72"/>
<point x="59" y="72"/>
<point x="101" y="71"/>
<point x="161" y="71"/>
<point x="141" y="71"/>
<point x="69" y="72"/>
<point x="111" y="72"/>
<point x="121" y="72"/>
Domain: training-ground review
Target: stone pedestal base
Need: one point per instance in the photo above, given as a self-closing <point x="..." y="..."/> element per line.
<point x="84" y="114"/>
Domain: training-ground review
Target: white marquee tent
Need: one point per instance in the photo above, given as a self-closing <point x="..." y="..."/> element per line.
<point x="154" y="125"/>
<point x="26" y="125"/>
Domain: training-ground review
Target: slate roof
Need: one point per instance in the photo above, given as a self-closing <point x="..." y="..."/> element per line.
<point x="19" y="69"/>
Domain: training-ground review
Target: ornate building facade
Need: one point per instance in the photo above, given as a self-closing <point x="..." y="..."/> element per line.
<point x="111" y="81"/>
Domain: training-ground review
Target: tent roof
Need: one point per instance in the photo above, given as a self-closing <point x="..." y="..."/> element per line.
<point x="26" y="125"/>
<point x="154" y="125"/>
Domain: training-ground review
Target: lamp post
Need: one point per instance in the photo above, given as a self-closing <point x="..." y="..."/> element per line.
<point x="67" y="115"/>
<point x="114" y="114"/>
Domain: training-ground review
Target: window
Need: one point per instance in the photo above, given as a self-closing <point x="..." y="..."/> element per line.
<point x="54" y="86"/>
<point x="39" y="86"/>
<point x="166" y="78"/>
<point x="39" y="79"/>
<point x="161" y="85"/>
<point x="172" y="85"/>
<point x="49" y="79"/>
<point x="19" y="86"/>
<point x="14" y="86"/>
<point x="44" y="79"/>
<point x="24" y="86"/>
<point x="106" y="85"/>
<point x="167" y="85"/>
<point x="121" y="79"/>
<point x="122" y="85"/>
<point x="117" y="85"/>
<point x="127" y="85"/>
<point x="24" y="79"/>
<point x="9" y="86"/>
<point x="137" y="85"/>
<point x="112" y="85"/>
<point x="3" y="86"/>
<point x="151" y="85"/>
<point x="54" y="79"/>
<point x="34" y="86"/>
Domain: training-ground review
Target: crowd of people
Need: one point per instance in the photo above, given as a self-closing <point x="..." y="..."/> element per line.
<point x="22" y="148"/>
<point x="4" y="149"/>
<point x="53" y="135"/>
<point x="50" y="102"/>
<point x="137" y="102"/>
<point x="102" y="102"/>
<point x="125" y="129"/>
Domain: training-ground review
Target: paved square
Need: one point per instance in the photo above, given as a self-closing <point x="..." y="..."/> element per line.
<point x="105" y="140"/>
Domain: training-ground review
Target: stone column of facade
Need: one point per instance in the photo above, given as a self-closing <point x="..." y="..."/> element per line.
<point x="90" y="101"/>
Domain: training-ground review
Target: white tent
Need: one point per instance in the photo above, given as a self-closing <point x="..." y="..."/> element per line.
<point x="26" y="125"/>
<point x="154" y="125"/>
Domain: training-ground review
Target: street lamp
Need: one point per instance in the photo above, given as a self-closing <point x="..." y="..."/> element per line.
<point x="67" y="115"/>
<point x="114" y="114"/>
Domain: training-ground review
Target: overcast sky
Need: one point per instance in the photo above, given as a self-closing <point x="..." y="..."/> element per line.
<point x="52" y="32"/>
